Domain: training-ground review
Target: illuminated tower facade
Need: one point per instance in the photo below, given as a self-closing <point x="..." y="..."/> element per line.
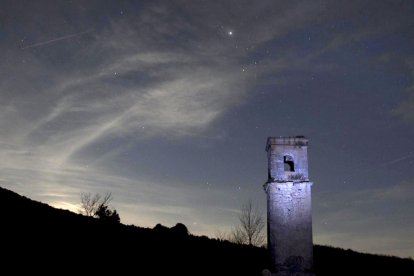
<point x="289" y="212"/>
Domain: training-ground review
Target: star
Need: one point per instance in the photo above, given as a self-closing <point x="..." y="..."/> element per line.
<point x="230" y="33"/>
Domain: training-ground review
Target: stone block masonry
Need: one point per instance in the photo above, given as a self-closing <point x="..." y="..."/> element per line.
<point x="289" y="211"/>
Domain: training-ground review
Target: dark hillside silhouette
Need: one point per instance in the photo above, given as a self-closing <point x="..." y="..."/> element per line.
<point x="38" y="238"/>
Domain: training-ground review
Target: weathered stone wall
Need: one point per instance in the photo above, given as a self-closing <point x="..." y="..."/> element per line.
<point x="289" y="210"/>
<point x="290" y="225"/>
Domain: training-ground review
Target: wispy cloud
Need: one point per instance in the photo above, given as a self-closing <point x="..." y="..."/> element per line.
<point x="345" y="218"/>
<point x="140" y="88"/>
<point x="54" y="118"/>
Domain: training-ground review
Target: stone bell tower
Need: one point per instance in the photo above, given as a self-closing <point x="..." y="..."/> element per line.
<point x="289" y="217"/>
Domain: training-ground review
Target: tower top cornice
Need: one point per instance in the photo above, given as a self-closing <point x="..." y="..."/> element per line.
<point x="287" y="141"/>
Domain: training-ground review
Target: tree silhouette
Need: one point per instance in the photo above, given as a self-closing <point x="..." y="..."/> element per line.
<point x="98" y="207"/>
<point x="106" y="214"/>
<point x="221" y="235"/>
<point x="250" y="229"/>
<point x="180" y="230"/>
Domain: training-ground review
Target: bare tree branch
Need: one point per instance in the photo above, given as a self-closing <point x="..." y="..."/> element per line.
<point x="222" y="235"/>
<point x="250" y="230"/>
<point x="91" y="204"/>
<point x="106" y="199"/>
<point x="238" y="235"/>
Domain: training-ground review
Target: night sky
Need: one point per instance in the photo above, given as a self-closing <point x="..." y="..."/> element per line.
<point x="168" y="105"/>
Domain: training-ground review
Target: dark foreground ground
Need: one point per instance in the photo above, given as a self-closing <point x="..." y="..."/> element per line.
<point x="36" y="238"/>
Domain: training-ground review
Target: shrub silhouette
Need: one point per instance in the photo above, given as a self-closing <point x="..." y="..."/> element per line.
<point x="105" y="214"/>
<point x="180" y="230"/>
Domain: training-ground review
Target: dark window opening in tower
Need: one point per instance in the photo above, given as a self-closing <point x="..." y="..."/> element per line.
<point x="288" y="163"/>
